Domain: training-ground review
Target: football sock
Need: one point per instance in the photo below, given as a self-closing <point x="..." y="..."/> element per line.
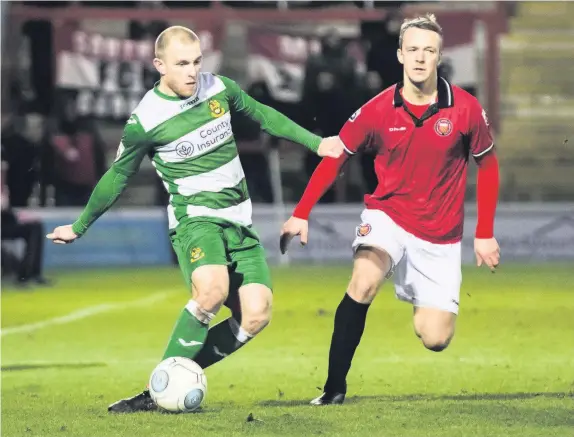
<point x="222" y="339"/>
<point x="189" y="333"/>
<point x="349" y="326"/>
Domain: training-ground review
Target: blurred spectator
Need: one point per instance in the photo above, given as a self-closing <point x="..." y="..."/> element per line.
<point x="372" y="85"/>
<point x="17" y="226"/>
<point x="445" y="69"/>
<point x="383" y="42"/>
<point x="254" y="162"/>
<point x="77" y="158"/>
<point x="329" y="93"/>
<point x="37" y="77"/>
<point x="23" y="138"/>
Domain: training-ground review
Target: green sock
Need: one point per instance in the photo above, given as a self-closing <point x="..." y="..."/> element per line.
<point x="189" y="333"/>
<point x="222" y="340"/>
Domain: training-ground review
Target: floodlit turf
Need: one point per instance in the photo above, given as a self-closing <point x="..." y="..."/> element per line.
<point x="69" y="351"/>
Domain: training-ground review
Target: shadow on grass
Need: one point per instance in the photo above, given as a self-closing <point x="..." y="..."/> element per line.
<point x="427" y="397"/>
<point x="22" y="367"/>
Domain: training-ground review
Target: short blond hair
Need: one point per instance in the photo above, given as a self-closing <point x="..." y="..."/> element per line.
<point x="426" y="22"/>
<point x="170" y="33"/>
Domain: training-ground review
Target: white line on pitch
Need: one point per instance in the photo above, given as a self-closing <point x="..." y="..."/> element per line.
<point x="85" y="313"/>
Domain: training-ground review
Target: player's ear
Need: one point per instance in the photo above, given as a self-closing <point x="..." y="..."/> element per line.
<point x="400" y="56"/>
<point x="159" y="66"/>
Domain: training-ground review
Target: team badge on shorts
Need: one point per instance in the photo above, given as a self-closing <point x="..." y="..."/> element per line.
<point x="196" y="254"/>
<point x="363" y="229"/>
<point x="443" y="127"/>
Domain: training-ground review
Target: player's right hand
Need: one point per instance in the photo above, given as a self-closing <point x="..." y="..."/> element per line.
<point x="292" y="227"/>
<point x="331" y="147"/>
<point x="63" y="235"/>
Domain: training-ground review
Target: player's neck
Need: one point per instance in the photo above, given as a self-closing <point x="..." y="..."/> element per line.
<point x="164" y="89"/>
<point x="423" y="94"/>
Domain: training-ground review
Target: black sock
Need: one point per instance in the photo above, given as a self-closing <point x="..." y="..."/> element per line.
<point x="222" y="340"/>
<point x="349" y="326"/>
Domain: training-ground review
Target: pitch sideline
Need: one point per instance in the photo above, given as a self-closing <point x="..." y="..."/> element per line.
<point x="85" y="313"/>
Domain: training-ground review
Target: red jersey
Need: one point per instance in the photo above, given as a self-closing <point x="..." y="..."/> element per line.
<point x="421" y="163"/>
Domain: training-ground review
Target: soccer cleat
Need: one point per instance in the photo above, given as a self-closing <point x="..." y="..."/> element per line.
<point x="334" y="398"/>
<point x="139" y="402"/>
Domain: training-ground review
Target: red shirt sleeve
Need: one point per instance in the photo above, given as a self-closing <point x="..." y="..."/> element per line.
<point x="487" y="186"/>
<point x="323" y="177"/>
<point x="357" y="132"/>
<point x="481" y="140"/>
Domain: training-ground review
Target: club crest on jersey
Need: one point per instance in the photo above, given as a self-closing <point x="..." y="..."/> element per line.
<point x="363" y="229"/>
<point x="443" y="127"/>
<point x="196" y="254"/>
<point x="216" y="109"/>
<point x="184" y="149"/>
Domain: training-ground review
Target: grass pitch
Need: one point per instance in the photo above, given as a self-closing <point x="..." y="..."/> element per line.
<point x="69" y="351"/>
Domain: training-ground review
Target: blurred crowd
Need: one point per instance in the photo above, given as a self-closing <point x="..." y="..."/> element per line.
<point x="55" y="157"/>
<point x="52" y="156"/>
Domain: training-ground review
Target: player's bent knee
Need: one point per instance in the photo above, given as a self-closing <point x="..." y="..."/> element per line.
<point x="435" y="327"/>
<point x="362" y="290"/>
<point x="369" y="270"/>
<point x="210" y="286"/>
<point x="256" y="307"/>
<point x="436" y="343"/>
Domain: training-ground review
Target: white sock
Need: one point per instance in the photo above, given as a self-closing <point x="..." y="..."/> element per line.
<point x="240" y="334"/>
<point x="200" y="314"/>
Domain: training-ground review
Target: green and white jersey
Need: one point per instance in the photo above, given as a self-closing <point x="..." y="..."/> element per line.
<point x="191" y="145"/>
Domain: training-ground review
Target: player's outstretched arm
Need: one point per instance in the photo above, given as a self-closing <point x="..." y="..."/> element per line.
<point x="323" y="177"/>
<point x="131" y="152"/>
<point x="278" y="125"/>
<point x="356" y="133"/>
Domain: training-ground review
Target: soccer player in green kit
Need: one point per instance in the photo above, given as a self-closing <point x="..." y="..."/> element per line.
<point x="184" y="125"/>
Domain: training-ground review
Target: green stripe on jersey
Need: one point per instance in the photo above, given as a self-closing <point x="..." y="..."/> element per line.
<point x="220" y="199"/>
<point x="194" y="151"/>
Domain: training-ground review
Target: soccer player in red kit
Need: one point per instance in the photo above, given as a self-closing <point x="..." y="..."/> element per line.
<point x="423" y="131"/>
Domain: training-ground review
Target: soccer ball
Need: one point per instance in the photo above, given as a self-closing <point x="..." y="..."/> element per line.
<point x="178" y="385"/>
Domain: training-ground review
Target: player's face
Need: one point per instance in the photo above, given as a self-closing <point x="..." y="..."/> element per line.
<point x="180" y="66"/>
<point x="420" y="54"/>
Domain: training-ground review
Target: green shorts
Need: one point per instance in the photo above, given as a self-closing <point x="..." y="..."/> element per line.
<point x="206" y="241"/>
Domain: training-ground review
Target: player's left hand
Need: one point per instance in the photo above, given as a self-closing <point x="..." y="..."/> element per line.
<point x="487" y="251"/>
<point x="331" y="147"/>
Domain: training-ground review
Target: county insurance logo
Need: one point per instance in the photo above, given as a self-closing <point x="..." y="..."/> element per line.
<point x="184" y="149"/>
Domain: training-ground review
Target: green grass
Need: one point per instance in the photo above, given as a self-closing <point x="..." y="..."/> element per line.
<point x="508" y="372"/>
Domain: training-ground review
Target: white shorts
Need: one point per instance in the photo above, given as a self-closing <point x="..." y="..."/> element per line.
<point x="425" y="274"/>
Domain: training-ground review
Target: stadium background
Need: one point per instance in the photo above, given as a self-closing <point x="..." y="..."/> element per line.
<point x="89" y="63"/>
<point x="79" y="67"/>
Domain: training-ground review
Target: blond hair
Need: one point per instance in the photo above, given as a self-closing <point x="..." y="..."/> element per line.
<point x="426" y="22"/>
<point x="183" y="33"/>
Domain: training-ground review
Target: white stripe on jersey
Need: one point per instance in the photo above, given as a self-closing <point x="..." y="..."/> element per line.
<point x="226" y="176"/>
<point x="238" y="213"/>
<point x="154" y="110"/>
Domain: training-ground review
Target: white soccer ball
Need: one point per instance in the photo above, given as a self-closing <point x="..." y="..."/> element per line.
<point x="178" y="385"/>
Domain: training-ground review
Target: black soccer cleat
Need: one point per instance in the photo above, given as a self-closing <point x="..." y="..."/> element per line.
<point x="139" y="402"/>
<point x="333" y="398"/>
